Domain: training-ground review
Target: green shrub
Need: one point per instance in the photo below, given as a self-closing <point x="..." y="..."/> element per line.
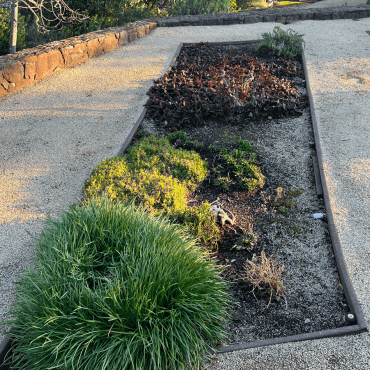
<point x="160" y="178"/>
<point x="244" y="4"/>
<point x="103" y="14"/>
<point x="115" y="287"/>
<point x="5" y="32"/>
<point x="181" y="7"/>
<point x="280" y="43"/>
<point x="201" y="223"/>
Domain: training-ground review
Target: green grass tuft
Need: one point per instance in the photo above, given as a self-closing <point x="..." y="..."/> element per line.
<point x="116" y="287"/>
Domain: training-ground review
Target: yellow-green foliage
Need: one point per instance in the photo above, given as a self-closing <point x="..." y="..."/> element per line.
<point x="201" y="223"/>
<point x="159" y="153"/>
<point x="159" y="177"/>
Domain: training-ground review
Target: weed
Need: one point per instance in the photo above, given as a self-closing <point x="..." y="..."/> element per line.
<point x="228" y="136"/>
<point x="241" y="168"/>
<point x="177" y="135"/>
<point x="266" y="276"/>
<point x="284" y="200"/>
<point x="281" y="43"/>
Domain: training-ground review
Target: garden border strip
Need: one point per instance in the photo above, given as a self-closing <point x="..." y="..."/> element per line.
<point x="349" y="292"/>
<point x="284" y="16"/>
<point x="316" y="171"/>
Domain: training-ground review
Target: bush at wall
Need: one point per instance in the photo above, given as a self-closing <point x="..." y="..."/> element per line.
<point x="117" y="288"/>
<point x="181" y="7"/>
<point x="103" y="14"/>
<point x="5" y="32"/>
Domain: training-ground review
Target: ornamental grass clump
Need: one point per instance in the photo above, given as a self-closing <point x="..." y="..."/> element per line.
<point x="116" y="287"/>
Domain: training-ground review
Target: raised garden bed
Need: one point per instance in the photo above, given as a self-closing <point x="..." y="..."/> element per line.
<point x="276" y="218"/>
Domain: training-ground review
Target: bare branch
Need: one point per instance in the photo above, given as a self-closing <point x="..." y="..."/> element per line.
<point x="49" y="14"/>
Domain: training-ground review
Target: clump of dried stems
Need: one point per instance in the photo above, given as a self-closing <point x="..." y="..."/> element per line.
<point x="266" y="276"/>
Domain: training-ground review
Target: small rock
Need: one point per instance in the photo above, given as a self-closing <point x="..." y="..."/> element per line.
<point x="254" y="258"/>
<point x="233" y="261"/>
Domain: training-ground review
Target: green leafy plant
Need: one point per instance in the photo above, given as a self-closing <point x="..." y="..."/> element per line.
<point x="116" y="287"/>
<point x="177" y="135"/>
<point x="241" y="168"/>
<point x="281" y="43"/>
<point x="223" y="182"/>
<point x="201" y="223"/>
<point x="181" y="7"/>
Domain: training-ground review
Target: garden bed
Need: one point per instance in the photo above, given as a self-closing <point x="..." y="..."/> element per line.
<point x="276" y="218"/>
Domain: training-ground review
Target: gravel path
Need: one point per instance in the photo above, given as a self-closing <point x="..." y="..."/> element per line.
<point x="328" y="3"/>
<point x="54" y="133"/>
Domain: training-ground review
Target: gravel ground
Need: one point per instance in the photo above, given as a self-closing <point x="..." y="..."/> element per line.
<point x="56" y="132"/>
<point x="328" y="3"/>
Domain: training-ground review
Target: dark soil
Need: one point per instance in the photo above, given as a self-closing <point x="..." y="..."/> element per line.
<point x="275" y="119"/>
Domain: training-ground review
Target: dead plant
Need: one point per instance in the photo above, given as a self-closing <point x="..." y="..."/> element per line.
<point x="266" y="276"/>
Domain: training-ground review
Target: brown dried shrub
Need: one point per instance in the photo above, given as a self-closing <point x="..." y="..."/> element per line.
<point x="265" y="275"/>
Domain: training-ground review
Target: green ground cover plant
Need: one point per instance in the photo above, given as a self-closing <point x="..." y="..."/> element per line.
<point x="116" y="287"/>
<point x="241" y="168"/>
<point x="160" y="178"/>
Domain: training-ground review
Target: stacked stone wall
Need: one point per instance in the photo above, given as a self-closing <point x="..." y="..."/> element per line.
<point x="30" y="65"/>
<point x="284" y="15"/>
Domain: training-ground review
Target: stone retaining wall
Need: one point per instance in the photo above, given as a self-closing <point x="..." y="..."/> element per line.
<point x="285" y="16"/>
<point x="30" y="65"/>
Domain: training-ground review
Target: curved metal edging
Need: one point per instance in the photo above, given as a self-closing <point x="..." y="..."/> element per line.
<point x="343" y="272"/>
